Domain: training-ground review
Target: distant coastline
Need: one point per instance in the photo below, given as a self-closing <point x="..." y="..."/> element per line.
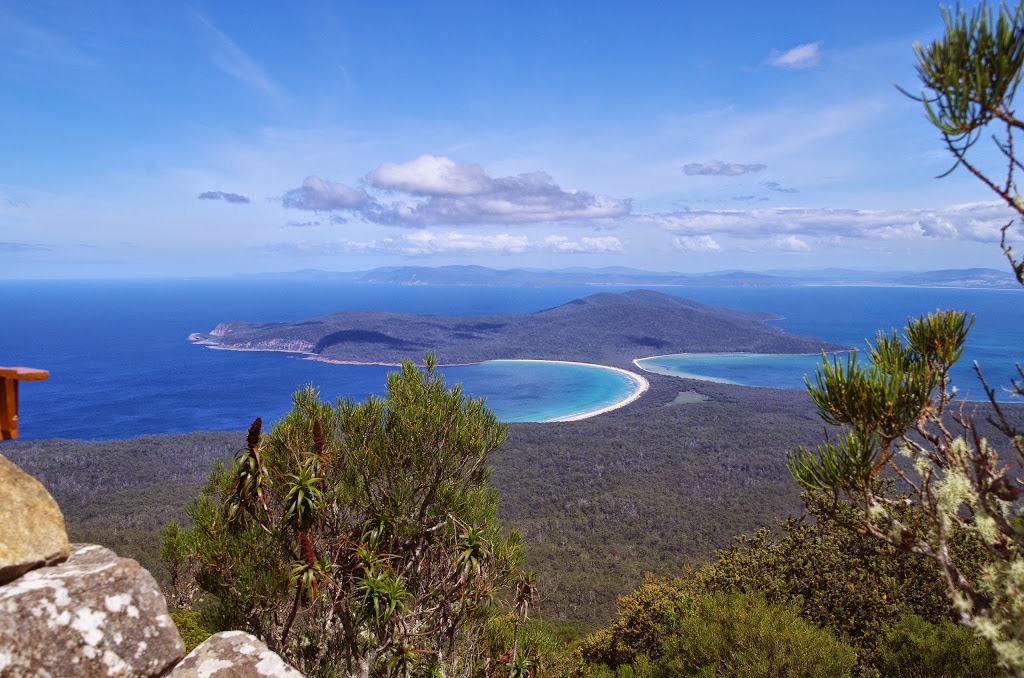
<point x="604" y="331"/>
<point x="482" y="276"/>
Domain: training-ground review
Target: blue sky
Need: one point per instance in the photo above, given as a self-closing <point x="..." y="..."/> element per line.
<point x="167" y="139"/>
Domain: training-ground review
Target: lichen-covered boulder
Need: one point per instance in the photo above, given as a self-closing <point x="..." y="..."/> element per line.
<point x="233" y="654"/>
<point x="94" y="615"/>
<point x="31" y="525"/>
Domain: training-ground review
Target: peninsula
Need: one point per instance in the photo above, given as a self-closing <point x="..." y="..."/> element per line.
<point x="606" y="328"/>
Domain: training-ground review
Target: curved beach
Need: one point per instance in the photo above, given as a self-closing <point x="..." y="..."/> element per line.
<point x="640" y="387"/>
<point x="754" y="370"/>
<point x="681" y="375"/>
<point x="640" y="384"/>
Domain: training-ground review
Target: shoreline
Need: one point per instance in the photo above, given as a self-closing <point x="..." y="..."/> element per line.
<point x="641" y="385"/>
<point x="666" y="372"/>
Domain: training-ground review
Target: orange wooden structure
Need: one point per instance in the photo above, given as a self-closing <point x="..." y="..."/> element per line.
<point x="9" y="378"/>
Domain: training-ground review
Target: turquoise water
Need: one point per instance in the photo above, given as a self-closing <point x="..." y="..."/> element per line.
<point x="541" y="391"/>
<point x="746" y="369"/>
<point x="789" y="371"/>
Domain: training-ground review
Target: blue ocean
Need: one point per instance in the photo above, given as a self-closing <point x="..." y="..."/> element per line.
<point x="121" y="366"/>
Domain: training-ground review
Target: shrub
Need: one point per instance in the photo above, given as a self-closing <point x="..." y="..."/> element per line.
<point x="742" y="635"/>
<point x="915" y="648"/>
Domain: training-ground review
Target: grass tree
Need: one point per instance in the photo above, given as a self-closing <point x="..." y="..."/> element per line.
<point x="357" y="539"/>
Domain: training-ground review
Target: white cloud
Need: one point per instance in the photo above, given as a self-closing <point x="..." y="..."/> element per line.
<point x="698" y="243"/>
<point x="431" y="175"/>
<point x="320" y="194"/>
<point x="452" y="242"/>
<point x="791" y="243"/>
<point x="801" y="56"/>
<point x="722" y="169"/>
<point x="561" y="243"/>
<point x="442" y="192"/>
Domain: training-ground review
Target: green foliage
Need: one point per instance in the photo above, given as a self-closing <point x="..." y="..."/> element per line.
<point x="742" y="635"/>
<point x="599" y="501"/>
<point x="857" y="589"/>
<point x="901" y="402"/>
<point x="357" y="536"/>
<point x="970" y="75"/>
<point x="737" y="634"/>
<point x="544" y="646"/>
<point x="190" y="626"/>
<point x="647" y="617"/>
<point x="915" y="648"/>
<point x="877" y="404"/>
<point x="970" y="78"/>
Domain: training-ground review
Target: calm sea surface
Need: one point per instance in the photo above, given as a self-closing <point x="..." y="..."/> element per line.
<point x="121" y="365"/>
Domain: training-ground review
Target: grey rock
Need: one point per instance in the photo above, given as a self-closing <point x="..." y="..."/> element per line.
<point x="32" y="531"/>
<point x="94" y="615"/>
<point x="233" y="654"/>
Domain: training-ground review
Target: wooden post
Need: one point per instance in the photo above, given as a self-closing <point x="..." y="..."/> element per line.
<point x="9" y="378"/>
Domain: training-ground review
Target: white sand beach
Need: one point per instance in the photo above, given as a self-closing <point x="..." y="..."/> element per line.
<point x="641" y="387"/>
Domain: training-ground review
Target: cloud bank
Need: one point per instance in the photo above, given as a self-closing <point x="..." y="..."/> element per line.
<point x="980" y="222"/>
<point x="457" y="208"/>
<point x="427" y="242"/>
<point x="438" y="191"/>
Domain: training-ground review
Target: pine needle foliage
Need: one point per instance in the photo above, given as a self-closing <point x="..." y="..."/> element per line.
<point x="903" y="401"/>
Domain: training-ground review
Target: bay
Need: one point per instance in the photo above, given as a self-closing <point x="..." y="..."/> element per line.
<point x="852" y="315"/>
<point x="121" y="365"/>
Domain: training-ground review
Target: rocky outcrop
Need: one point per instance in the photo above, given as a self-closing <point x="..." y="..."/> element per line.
<point x="94" y="615"/>
<point x="233" y="654"/>
<point x="32" y="531"/>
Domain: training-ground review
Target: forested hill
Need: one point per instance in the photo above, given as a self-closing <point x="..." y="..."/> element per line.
<point x="605" y="328"/>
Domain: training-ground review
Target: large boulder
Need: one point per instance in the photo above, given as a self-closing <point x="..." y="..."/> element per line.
<point x="31" y="525"/>
<point x="94" y="615"/>
<point x="233" y="654"/>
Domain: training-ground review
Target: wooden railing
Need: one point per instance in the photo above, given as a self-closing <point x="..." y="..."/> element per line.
<point x="9" y="378"/>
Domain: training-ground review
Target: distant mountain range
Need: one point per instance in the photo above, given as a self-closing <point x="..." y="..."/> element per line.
<point x="618" y="275"/>
<point x="604" y="328"/>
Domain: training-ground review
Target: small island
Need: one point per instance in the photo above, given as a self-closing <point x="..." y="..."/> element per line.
<point x="608" y="329"/>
